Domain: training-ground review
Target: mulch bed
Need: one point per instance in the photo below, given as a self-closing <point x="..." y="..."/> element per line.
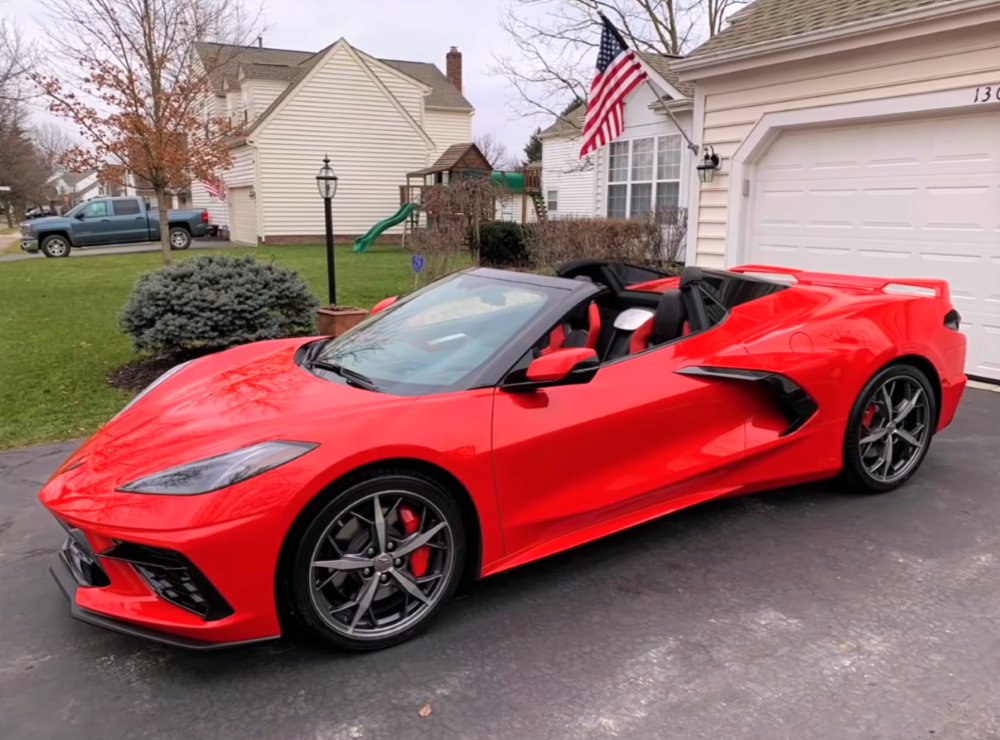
<point x="136" y="375"/>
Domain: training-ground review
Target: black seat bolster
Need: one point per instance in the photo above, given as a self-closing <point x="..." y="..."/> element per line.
<point x="668" y="323"/>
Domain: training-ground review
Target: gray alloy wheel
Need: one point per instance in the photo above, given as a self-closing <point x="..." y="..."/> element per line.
<point x="378" y="562"/>
<point x="55" y="246"/>
<point x="179" y="238"/>
<point x="890" y="429"/>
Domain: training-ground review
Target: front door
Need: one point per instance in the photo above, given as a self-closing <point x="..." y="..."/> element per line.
<point x="96" y="226"/>
<point x="638" y="435"/>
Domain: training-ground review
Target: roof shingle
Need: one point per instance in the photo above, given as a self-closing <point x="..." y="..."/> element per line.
<point x="770" y="20"/>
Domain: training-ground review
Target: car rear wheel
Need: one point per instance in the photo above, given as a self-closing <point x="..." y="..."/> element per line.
<point x="889" y="430"/>
<point x="179" y="238"/>
<point x="55" y="246"/>
<point x="379" y="561"/>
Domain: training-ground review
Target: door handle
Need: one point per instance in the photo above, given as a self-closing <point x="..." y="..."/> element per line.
<point x="105" y="220"/>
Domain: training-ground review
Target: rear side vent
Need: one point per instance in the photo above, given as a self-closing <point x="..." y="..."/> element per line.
<point x="173" y="578"/>
<point x="953" y="320"/>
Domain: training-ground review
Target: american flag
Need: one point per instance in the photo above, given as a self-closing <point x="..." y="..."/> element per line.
<point x="214" y="189"/>
<point x="618" y="72"/>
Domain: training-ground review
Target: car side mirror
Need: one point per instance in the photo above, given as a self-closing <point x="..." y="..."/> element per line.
<point x="384" y="303"/>
<point x="79" y="216"/>
<point x="562" y="367"/>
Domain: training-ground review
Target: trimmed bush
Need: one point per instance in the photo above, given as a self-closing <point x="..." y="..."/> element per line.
<point x="215" y="302"/>
<point x="502" y="244"/>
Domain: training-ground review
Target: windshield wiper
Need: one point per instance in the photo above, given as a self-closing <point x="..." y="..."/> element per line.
<point x="351" y="376"/>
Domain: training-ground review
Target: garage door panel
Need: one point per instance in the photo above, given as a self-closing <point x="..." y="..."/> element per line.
<point x="914" y="198"/>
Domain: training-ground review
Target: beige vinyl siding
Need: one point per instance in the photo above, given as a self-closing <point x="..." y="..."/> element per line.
<point x="447" y="127"/>
<point x="572" y="179"/>
<point x="407" y="91"/>
<point x="242" y="172"/>
<point x="260" y="94"/>
<point x="733" y="105"/>
<point x="339" y="110"/>
<point x="218" y="212"/>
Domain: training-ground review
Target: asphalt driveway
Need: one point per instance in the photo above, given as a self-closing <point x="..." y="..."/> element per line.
<point x="801" y="613"/>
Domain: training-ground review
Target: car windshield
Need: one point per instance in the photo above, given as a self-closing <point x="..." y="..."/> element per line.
<point x="438" y="338"/>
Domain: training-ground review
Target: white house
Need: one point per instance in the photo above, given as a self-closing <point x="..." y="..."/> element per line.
<point x="857" y="137"/>
<point x="643" y="169"/>
<point x="376" y="119"/>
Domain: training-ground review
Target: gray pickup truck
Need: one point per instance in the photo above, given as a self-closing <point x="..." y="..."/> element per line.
<point x="105" y="221"/>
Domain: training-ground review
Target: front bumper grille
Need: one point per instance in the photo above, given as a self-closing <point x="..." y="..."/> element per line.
<point x="173" y="578"/>
<point x="81" y="561"/>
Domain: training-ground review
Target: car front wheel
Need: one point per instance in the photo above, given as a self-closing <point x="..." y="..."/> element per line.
<point x="379" y="561"/>
<point x="179" y="238"/>
<point x="55" y="246"/>
<point x="890" y="429"/>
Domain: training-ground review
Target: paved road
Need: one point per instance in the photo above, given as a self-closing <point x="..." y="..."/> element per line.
<point x="123" y="249"/>
<point x="805" y="613"/>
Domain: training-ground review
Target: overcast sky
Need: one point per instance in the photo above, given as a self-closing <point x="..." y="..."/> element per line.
<point x="417" y="30"/>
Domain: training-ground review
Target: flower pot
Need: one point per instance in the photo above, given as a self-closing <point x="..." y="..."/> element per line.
<point x="335" y="320"/>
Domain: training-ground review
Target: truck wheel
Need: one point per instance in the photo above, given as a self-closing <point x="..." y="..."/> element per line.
<point x="55" y="246"/>
<point x="180" y="238"/>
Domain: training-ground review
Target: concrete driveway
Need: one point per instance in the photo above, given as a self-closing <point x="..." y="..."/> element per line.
<point x="805" y="613"/>
<point x="123" y="249"/>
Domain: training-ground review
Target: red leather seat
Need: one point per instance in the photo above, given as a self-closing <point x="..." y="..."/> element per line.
<point x="582" y="328"/>
<point x="668" y="323"/>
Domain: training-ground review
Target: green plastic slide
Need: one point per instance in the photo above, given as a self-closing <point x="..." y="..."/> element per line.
<point x="362" y="243"/>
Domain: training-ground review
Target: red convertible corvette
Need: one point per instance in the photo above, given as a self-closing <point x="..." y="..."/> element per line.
<point x="491" y="418"/>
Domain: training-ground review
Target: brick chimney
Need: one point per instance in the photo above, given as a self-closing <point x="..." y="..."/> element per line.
<point x="453" y="67"/>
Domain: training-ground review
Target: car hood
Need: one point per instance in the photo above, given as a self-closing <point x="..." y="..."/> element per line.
<point x="46" y="221"/>
<point x="225" y="401"/>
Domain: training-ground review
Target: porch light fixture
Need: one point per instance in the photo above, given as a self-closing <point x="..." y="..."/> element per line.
<point x="708" y="165"/>
<point x="326" y="180"/>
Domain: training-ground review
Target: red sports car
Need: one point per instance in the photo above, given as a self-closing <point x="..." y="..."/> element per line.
<point x="491" y="418"/>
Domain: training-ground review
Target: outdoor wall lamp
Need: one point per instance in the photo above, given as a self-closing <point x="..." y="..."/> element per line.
<point x="708" y="165"/>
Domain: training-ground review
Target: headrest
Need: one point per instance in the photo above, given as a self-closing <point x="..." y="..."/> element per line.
<point x="668" y="323"/>
<point x="579" y="317"/>
<point x="690" y="276"/>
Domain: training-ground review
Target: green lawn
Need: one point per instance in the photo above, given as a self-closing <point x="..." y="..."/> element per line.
<point x="59" y="335"/>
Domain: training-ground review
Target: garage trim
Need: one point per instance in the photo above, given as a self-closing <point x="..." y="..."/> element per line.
<point x="771" y="125"/>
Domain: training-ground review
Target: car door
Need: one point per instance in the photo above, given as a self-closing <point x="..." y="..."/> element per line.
<point x="128" y="220"/>
<point x="93" y="225"/>
<point x="636" y="438"/>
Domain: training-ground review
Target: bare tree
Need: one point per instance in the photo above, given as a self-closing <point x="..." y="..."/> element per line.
<point x="496" y="152"/>
<point x="132" y="84"/>
<point x="556" y="43"/>
<point x="52" y="142"/>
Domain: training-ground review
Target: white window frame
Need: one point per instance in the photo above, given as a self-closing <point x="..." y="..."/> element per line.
<point x="552" y="196"/>
<point x="629" y="182"/>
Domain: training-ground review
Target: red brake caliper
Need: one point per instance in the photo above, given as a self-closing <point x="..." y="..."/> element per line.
<point x="866" y="421"/>
<point x="420" y="556"/>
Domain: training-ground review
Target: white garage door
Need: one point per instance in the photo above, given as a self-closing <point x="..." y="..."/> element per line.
<point x="914" y="198"/>
<point x="242" y="216"/>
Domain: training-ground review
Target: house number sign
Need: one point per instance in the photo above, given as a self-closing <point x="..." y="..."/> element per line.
<point x="987" y="94"/>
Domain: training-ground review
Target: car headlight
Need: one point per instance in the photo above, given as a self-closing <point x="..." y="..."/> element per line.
<point x="213" y="473"/>
<point x="151" y="386"/>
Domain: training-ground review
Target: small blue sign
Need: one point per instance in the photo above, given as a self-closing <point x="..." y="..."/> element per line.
<point x="418" y="263"/>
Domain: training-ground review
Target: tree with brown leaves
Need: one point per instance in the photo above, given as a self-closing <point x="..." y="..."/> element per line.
<point x="137" y="93"/>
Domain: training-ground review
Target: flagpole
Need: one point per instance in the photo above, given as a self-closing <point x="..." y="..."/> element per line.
<point x="691" y="145"/>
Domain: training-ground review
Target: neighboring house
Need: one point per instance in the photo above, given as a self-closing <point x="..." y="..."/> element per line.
<point x="377" y="120"/>
<point x="65" y="190"/>
<point x="859" y="137"/>
<point x="641" y="170"/>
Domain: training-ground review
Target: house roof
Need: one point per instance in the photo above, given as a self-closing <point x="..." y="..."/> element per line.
<point x="73" y="178"/>
<point x="449" y="158"/>
<point x="224" y="63"/>
<point x="769" y="20"/>
<point x="662" y="64"/>
<point x="571" y="123"/>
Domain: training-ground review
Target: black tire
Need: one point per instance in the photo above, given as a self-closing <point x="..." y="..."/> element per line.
<point x="870" y="403"/>
<point x="55" y="245"/>
<point x="309" y="602"/>
<point x="180" y="238"/>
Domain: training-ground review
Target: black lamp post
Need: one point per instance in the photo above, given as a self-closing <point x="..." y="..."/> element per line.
<point x="708" y="165"/>
<point x="326" y="183"/>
